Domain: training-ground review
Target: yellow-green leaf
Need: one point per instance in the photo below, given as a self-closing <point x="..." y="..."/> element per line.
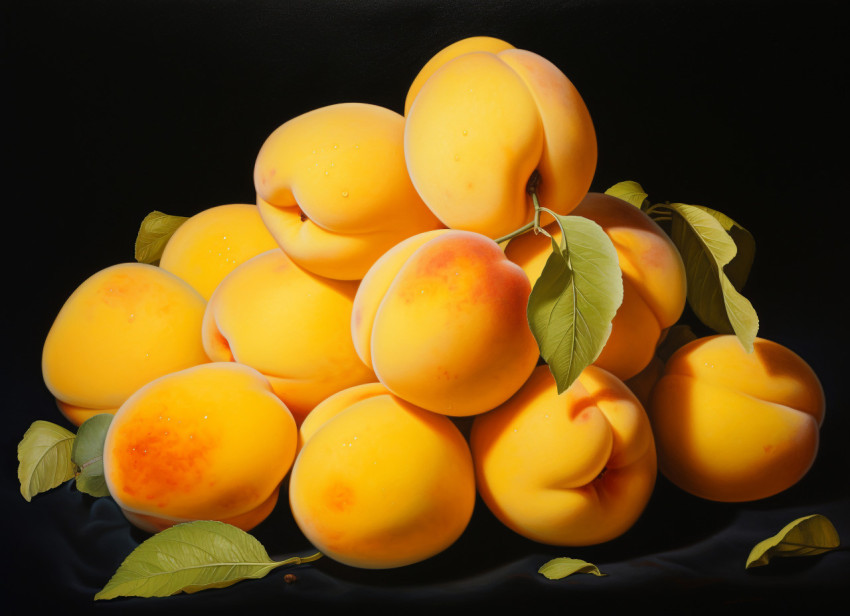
<point x="87" y="454"/>
<point x="806" y="536"/>
<point x="706" y="248"/>
<point x="630" y="192"/>
<point x="154" y="232"/>
<point x="44" y="458"/>
<point x="574" y="300"/>
<point x="191" y="557"/>
<point x="559" y="568"/>
<point x="738" y="269"/>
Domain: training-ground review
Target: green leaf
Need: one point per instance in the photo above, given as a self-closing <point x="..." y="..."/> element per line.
<point x="575" y="299"/>
<point x="806" y="536"/>
<point x="87" y="454"/>
<point x="630" y="192"/>
<point x="559" y="568"/>
<point x="155" y="231"/>
<point x="706" y="248"/>
<point x="738" y="269"/>
<point x="44" y="458"/>
<point x="190" y="557"/>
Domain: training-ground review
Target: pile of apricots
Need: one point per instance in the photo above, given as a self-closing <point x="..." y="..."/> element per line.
<point x="359" y="338"/>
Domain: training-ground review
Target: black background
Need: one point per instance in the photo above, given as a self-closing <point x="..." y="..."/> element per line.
<point x="114" y="109"/>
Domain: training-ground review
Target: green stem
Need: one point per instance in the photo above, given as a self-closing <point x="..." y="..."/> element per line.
<point x="520" y="231"/>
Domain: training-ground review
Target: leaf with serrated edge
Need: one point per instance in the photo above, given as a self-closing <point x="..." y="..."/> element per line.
<point x="630" y="192"/>
<point x="806" y="536"/>
<point x="574" y="300"/>
<point x="44" y="458"/>
<point x="190" y="557"/>
<point x="87" y="454"/>
<point x="706" y="247"/>
<point x="154" y="232"/>
<point x="559" y="568"/>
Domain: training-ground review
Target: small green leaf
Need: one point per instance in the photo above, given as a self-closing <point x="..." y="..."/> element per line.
<point x="706" y="248"/>
<point x="630" y="192"/>
<point x="154" y="232"/>
<point x="738" y="269"/>
<point x="190" y="557"/>
<point x="44" y="458"/>
<point x="575" y="299"/>
<point x="87" y="454"/>
<point x="559" y="568"/>
<point x="806" y="536"/>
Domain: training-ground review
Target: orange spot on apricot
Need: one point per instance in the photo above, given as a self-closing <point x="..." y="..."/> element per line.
<point x="339" y="496"/>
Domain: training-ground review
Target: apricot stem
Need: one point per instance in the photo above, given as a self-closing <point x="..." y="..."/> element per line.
<point x="531" y="189"/>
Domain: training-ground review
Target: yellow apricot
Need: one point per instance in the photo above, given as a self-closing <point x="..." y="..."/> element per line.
<point x="571" y="469"/>
<point x="482" y="123"/>
<point x="121" y="328"/>
<point x="383" y="484"/>
<point x="210" y="244"/>
<point x="441" y="319"/>
<point x="333" y="405"/>
<point x="291" y="325"/>
<point x="734" y="426"/>
<point x="333" y="188"/>
<point x="654" y="284"/>
<point x="473" y="43"/>
<point x="211" y="442"/>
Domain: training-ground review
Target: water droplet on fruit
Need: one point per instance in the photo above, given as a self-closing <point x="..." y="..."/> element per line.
<point x="344" y="193"/>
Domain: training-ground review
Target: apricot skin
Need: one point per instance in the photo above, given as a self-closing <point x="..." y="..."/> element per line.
<point x="211" y="442"/>
<point x="383" y="484"/>
<point x="441" y="319"/>
<point x="333" y="188"/>
<point x="210" y="244"/>
<point x="733" y="426"/>
<point x="654" y="285"/>
<point x="571" y="469"/>
<point x="291" y="325"/>
<point x="484" y="117"/>
<point x="121" y="328"/>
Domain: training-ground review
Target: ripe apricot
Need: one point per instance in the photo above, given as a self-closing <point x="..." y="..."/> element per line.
<point x="121" y="328"/>
<point x="290" y="324"/>
<point x="441" y="319"/>
<point x="571" y="469"/>
<point x="383" y="484"/>
<point x="654" y="285"/>
<point x="333" y="189"/>
<point x="484" y="117"/>
<point x="211" y="442"/>
<point x="210" y="244"/>
<point x="734" y="426"/>
<point x="333" y="405"/>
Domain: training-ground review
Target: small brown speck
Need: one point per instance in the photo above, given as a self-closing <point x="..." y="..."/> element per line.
<point x="289" y="578"/>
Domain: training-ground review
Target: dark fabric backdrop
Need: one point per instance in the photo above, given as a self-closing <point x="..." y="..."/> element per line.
<point x="114" y="109"/>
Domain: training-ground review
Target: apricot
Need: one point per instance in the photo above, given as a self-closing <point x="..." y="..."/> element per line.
<point x="333" y="405"/>
<point x="734" y="426"/>
<point x="211" y="442"/>
<point x="333" y="188"/>
<point x="654" y="284"/>
<point x="121" y="328"/>
<point x="383" y="484"/>
<point x="210" y="244"/>
<point x="290" y="324"/>
<point x="571" y="469"/>
<point x="441" y="319"/>
<point x="484" y="118"/>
